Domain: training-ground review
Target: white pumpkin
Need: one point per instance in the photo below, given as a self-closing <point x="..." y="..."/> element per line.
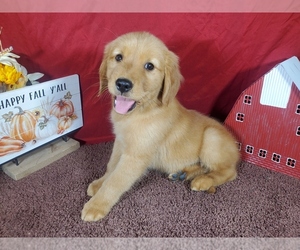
<point x="46" y="126"/>
<point x="4" y="129"/>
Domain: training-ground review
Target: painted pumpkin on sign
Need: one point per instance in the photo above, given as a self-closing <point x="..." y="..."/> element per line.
<point x="62" y="108"/>
<point x="22" y="125"/>
<point x="10" y="145"/>
<point x="46" y="126"/>
<point x="64" y="123"/>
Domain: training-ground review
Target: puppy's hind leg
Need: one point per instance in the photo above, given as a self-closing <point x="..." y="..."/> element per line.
<point x="193" y="171"/>
<point x="220" y="156"/>
<point x="188" y="173"/>
<point x="208" y="182"/>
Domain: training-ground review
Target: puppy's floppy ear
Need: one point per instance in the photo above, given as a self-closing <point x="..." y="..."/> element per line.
<point x="172" y="78"/>
<point x="103" y="70"/>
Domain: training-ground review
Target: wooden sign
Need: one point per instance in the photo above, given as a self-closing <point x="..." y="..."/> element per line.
<point x="35" y="115"/>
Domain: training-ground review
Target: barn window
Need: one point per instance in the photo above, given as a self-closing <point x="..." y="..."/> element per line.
<point x="248" y="99"/>
<point x="276" y="157"/>
<point x="298" y="109"/>
<point x="240" y="117"/>
<point x="262" y="153"/>
<point x="249" y="149"/>
<point x="291" y="162"/>
<point x="298" y="131"/>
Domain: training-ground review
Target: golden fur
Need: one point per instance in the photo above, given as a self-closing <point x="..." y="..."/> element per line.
<point x="159" y="132"/>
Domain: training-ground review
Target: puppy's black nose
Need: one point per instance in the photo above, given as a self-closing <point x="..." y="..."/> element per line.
<point x="123" y="85"/>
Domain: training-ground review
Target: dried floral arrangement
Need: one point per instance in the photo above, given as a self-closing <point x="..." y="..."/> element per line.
<point x="12" y="74"/>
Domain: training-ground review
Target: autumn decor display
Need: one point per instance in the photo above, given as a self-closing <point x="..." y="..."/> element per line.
<point x="12" y="74"/>
<point x="37" y="114"/>
<point x="33" y="114"/>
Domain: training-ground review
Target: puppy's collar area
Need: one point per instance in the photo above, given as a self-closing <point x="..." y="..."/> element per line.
<point x="123" y="105"/>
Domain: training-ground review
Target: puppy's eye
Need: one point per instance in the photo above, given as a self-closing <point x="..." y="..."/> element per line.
<point x="149" y="66"/>
<point x="119" y="58"/>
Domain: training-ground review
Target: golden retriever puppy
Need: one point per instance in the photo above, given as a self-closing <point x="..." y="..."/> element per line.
<point x="152" y="129"/>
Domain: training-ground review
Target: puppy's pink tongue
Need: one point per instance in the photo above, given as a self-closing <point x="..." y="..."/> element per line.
<point x="123" y="105"/>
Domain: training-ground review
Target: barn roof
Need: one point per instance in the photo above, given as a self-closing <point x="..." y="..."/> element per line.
<point x="278" y="83"/>
<point x="292" y="67"/>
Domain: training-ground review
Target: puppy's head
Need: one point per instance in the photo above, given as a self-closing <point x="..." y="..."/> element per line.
<point x="139" y="72"/>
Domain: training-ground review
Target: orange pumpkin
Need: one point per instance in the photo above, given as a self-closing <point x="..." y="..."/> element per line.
<point x="22" y="125"/>
<point x="62" y="108"/>
<point x="64" y="123"/>
<point x="10" y="145"/>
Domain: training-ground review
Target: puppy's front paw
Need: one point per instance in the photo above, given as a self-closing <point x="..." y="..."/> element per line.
<point x="93" y="211"/>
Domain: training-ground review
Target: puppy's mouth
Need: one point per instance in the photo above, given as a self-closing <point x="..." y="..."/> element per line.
<point x="123" y="105"/>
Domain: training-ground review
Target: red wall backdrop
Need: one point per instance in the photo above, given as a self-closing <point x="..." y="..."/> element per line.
<point x="221" y="54"/>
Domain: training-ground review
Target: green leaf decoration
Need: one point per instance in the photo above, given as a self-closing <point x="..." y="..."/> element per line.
<point x="68" y="95"/>
<point x="42" y="125"/>
<point x="8" y="117"/>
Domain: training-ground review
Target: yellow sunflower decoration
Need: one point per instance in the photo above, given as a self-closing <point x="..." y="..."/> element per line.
<point x="12" y="74"/>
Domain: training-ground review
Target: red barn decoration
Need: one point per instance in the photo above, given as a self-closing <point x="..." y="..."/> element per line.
<point x="266" y="120"/>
